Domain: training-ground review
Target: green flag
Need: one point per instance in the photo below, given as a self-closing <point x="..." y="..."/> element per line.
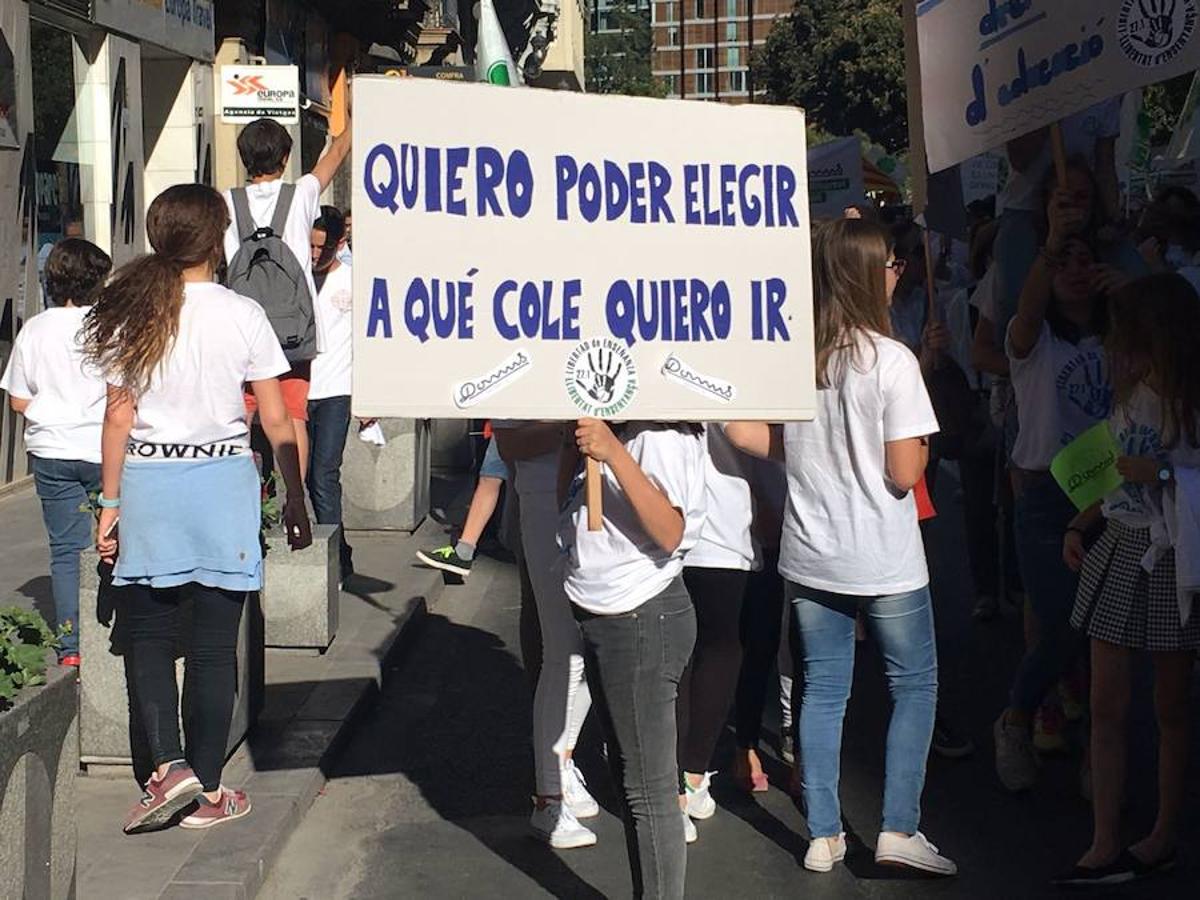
<point x="493" y="59"/>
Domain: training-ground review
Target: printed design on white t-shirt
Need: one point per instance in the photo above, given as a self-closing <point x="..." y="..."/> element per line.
<point x="1136" y="439"/>
<point x="1083" y="382"/>
<point x="342" y="301"/>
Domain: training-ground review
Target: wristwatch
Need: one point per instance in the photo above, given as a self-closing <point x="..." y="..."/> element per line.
<point x="1165" y="474"/>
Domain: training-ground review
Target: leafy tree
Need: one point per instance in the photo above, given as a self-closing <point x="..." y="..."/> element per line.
<point x="1163" y="104"/>
<point x="619" y="63"/>
<point x="843" y="61"/>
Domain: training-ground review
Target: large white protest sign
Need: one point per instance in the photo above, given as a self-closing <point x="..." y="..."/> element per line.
<point x="835" y="177"/>
<point x="993" y="70"/>
<point x="547" y="255"/>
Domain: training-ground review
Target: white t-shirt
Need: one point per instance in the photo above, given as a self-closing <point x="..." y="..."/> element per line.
<point x="64" y="419"/>
<point x="726" y="542"/>
<point x="335" y="315"/>
<point x="617" y="569"/>
<point x="1137" y="428"/>
<point x="195" y="398"/>
<point x="297" y="232"/>
<point x="1081" y="132"/>
<point x="846" y="529"/>
<point x="1062" y="390"/>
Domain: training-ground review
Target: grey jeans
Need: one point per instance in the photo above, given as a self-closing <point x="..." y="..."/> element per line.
<point x="634" y="662"/>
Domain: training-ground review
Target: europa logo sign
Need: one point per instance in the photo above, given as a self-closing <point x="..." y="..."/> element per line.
<point x="244" y="85"/>
<point x="254" y="92"/>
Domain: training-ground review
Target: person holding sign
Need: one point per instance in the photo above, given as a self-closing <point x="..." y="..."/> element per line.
<point x="851" y="543"/>
<point x="1128" y="596"/>
<point x="1060" y="379"/>
<point x="638" y="625"/>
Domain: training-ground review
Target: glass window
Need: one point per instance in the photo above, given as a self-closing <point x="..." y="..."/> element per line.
<point x="704" y="58"/>
<point x="704" y="83"/>
<point x="731" y="9"/>
<point x="672" y="84"/>
<point x="672" y="37"/>
<point x="668" y="12"/>
<point x="700" y="9"/>
<point x="732" y="58"/>
<point x="731" y="31"/>
<point x="737" y="81"/>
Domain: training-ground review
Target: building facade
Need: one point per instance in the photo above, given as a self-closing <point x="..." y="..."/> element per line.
<point x="702" y="47"/>
<point x="599" y="20"/>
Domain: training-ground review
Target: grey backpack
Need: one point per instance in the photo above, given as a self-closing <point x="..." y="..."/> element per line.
<point x="266" y="270"/>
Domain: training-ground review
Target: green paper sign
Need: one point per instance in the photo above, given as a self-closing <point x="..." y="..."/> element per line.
<point x="1087" y="467"/>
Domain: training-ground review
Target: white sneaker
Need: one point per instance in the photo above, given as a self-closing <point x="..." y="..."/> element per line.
<point x="700" y="804"/>
<point x="914" y="852"/>
<point x="690" y="835"/>
<point x="1016" y="762"/>
<point x="555" y="824"/>
<point x="825" y="853"/>
<point x="575" y="793"/>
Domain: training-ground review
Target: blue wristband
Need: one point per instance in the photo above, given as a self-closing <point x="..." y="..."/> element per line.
<point x="104" y="503"/>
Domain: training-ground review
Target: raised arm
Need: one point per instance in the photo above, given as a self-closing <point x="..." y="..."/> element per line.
<point x="662" y="521"/>
<point x="333" y="157"/>
<point x="1066" y="219"/>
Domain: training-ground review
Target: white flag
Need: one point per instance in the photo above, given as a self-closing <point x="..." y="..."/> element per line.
<point x="1185" y="142"/>
<point x="493" y="59"/>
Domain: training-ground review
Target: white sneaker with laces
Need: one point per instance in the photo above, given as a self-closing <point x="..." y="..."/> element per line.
<point x="575" y="793"/>
<point x="690" y="835"/>
<point x="700" y="804"/>
<point x="1016" y="761"/>
<point x="555" y="824"/>
<point x="914" y="852"/>
<point x="824" y="853"/>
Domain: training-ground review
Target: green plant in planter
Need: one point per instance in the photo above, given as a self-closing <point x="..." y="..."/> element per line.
<point x="25" y="639"/>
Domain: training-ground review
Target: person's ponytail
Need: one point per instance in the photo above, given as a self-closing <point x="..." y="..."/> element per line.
<point x="130" y="330"/>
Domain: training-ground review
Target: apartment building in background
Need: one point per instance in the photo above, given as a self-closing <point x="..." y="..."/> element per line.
<point x="599" y="20"/>
<point x="702" y="47"/>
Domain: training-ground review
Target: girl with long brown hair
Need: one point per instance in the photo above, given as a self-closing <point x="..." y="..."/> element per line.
<point x="177" y="472"/>
<point x="851" y="543"/>
<point x="1130" y="596"/>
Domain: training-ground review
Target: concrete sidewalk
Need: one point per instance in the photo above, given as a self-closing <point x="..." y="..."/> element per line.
<point x="310" y="704"/>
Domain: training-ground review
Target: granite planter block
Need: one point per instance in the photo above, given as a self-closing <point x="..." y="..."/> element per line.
<point x="387" y="488"/>
<point x="39" y="760"/>
<point x="300" y="590"/>
<point x="108" y="735"/>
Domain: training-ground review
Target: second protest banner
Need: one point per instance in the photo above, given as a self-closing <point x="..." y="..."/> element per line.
<point x="993" y="70"/>
<point x="545" y="255"/>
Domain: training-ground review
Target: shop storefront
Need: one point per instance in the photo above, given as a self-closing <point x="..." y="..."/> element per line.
<point x="102" y="105"/>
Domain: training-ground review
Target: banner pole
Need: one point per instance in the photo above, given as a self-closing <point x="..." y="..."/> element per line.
<point x="595" y="502"/>
<point x="1059" y="146"/>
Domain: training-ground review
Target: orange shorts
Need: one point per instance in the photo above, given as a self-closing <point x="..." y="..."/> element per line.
<point x="294" y="385"/>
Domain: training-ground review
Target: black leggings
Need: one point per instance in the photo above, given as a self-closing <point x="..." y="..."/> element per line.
<point x="708" y="684"/>
<point x="761" y="629"/>
<point x="210" y="682"/>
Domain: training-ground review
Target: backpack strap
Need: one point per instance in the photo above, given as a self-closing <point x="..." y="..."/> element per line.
<point x="241" y="214"/>
<point x="282" y="207"/>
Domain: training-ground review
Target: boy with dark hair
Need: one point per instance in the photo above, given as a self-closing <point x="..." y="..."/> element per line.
<point x="265" y="148"/>
<point x="63" y="405"/>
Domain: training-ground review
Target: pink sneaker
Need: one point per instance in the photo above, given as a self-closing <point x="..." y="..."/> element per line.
<point x="163" y="798"/>
<point x="232" y="805"/>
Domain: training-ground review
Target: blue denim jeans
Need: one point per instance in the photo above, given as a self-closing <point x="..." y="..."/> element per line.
<point x="63" y="486"/>
<point x="823" y="645"/>
<point x="328" y="425"/>
<point x="1041" y="515"/>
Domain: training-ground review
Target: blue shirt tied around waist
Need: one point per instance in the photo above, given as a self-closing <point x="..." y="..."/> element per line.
<point x="184" y="522"/>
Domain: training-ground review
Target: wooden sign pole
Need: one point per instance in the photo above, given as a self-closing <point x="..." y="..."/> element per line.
<point x="1059" y="146"/>
<point x="595" y="503"/>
